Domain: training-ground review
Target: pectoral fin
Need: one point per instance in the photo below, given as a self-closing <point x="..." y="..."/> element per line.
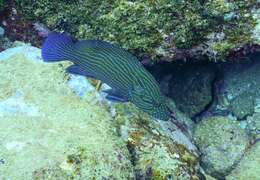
<point x="115" y="96"/>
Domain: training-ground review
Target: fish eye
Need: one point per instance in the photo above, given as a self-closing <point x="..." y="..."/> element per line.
<point x="156" y="103"/>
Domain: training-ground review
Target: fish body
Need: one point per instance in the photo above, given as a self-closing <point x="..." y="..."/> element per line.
<point x="101" y="60"/>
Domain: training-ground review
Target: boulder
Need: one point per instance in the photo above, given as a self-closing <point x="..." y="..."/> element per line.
<point x="248" y="167"/>
<point x="222" y="144"/>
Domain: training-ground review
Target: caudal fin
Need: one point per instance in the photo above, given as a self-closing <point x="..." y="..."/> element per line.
<point x="57" y="47"/>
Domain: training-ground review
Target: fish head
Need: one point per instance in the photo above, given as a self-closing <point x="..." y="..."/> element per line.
<point x="155" y="105"/>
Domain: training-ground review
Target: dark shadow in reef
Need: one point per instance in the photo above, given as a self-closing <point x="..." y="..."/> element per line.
<point x="195" y="86"/>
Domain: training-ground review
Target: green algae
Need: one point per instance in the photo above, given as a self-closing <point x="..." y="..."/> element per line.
<point x="69" y="137"/>
<point x="151" y="28"/>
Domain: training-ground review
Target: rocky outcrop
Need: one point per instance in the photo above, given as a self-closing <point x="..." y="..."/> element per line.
<point x="238" y="91"/>
<point x="54" y="125"/>
<point x="222" y="144"/>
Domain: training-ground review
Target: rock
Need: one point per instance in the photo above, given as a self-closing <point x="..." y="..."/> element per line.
<point x="58" y="125"/>
<point x="222" y="144"/>
<point x="248" y="167"/>
<point x="155" y="152"/>
<point x="191" y="87"/>
<point x="239" y="88"/>
<point x="253" y="125"/>
<point x="47" y="131"/>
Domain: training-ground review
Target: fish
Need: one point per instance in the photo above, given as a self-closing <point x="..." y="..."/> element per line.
<point x="113" y="65"/>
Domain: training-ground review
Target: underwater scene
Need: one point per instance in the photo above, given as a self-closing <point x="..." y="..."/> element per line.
<point x="129" y="90"/>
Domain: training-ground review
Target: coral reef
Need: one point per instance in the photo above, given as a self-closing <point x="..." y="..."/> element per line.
<point x="166" y="29"/>
<point x="56" y="126"/>
<point x="222" y="143"/>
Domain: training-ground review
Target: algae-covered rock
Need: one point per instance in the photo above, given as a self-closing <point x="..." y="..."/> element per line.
<point x="155" y="154"/>
<point x="222" y="143"/>
<point x="47" y="131"/>
<point x="166" y="29"/>
<point x="248" y="167"/>
<point x="240" y="88"/>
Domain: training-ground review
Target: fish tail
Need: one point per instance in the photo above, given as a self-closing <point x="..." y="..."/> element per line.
<point x="57" y="47"/>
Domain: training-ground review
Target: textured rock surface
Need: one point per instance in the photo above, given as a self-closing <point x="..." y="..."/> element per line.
<point x="222" y="143"/>
<point x="253" y="125"/>
<point x="58" y="126"/>
<point x="191" y="87"/>
<point x="47" y="131"/>
<point x="152" y="149"/>
<point x="167" y="29"/>
<point x="248" y="167"/>
<point x="239" y="89"/>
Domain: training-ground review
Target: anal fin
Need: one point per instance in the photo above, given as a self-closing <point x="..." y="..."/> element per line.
<point x="75" y="69"/>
